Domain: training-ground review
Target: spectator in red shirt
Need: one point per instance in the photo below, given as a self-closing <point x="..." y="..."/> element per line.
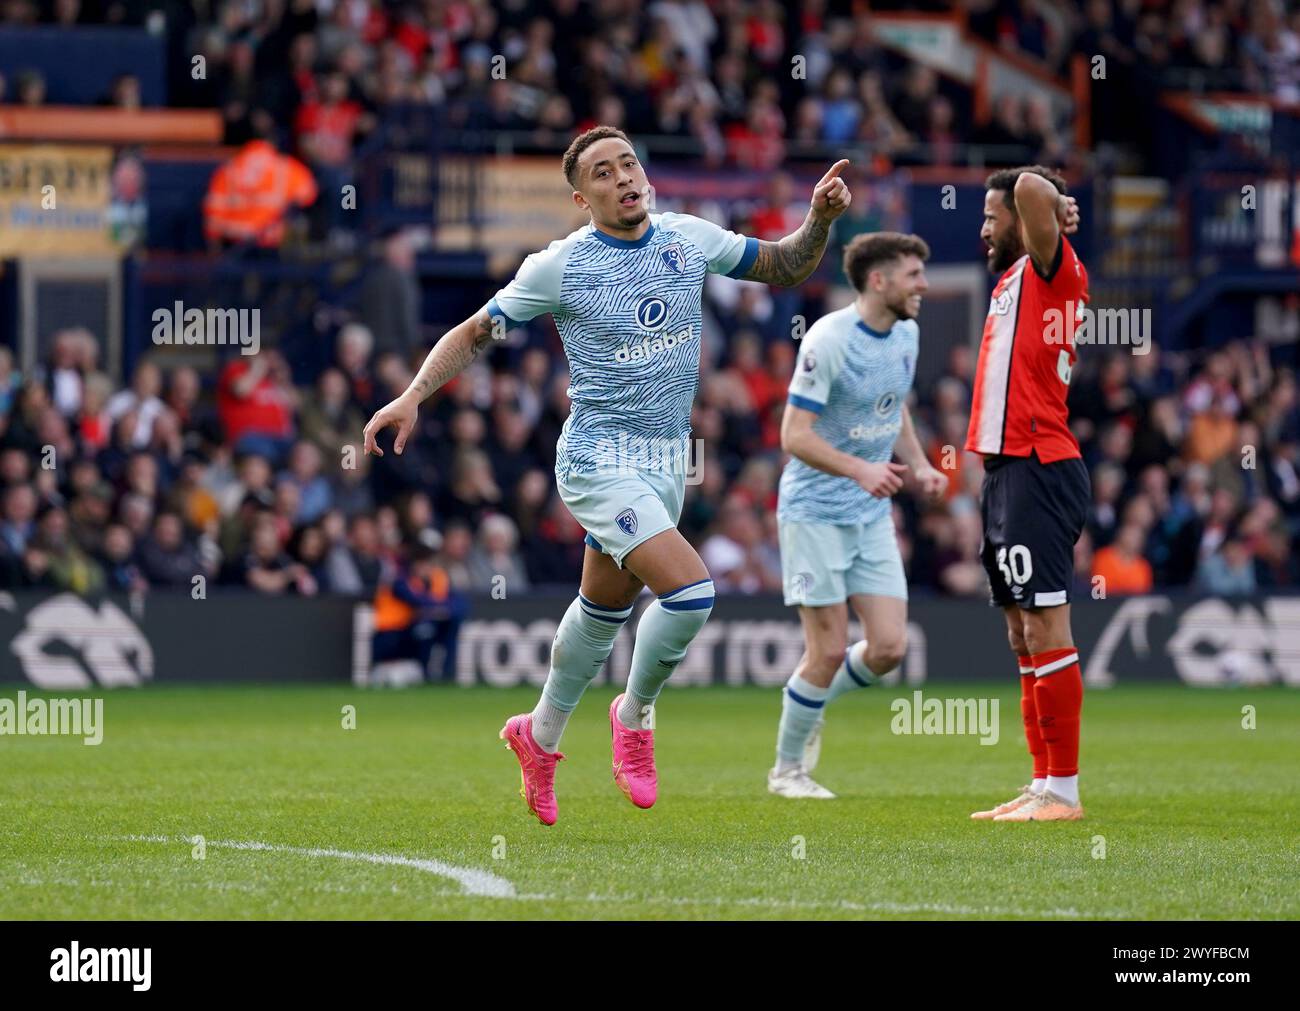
<point x="757" y="144"/>
<point x="747" y="362"/>
<point x="255" y="402"/>
<point x="780" y="364"/>
<point x="780" y="213"/>
<point x="765" y="34"/>
<point x="94" y="426"/>
<point x="327" y="127"/>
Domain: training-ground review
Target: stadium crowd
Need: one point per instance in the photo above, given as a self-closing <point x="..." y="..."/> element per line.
<point x="316" y="76"/>
<point x="714" y="76"/>
<point x="247" y="479"/>
<point x="255" y="482"/>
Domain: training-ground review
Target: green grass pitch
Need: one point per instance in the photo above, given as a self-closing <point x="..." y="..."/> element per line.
<point x="415" y="813"/>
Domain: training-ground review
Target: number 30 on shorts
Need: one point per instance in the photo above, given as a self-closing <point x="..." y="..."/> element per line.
<point x="1015" y="564"/>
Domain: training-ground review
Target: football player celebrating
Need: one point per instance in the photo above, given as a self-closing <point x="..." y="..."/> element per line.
<point x="625" y="293"/>
<point x="845" y="418"/>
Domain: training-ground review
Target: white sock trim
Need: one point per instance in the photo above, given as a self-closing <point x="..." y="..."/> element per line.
<point x="1055" y="665"/>
<point x="610" y="615"/>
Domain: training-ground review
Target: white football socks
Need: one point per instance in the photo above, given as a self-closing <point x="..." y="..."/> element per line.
<point x="663" y="635"/>
<point x="635" y="712"/>
<point x="801" y="707"/>
<point x="548" y="724"/>
<point x="1065" y="787"/>
<point x="583" y="642"/>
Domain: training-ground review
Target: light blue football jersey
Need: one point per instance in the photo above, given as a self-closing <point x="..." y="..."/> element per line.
<point x="856" y="381"/>
<point x="629" y="314"/>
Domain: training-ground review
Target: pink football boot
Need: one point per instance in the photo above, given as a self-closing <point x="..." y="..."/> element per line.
<point x="536" y="767"/>
<point x="634" y="760"/>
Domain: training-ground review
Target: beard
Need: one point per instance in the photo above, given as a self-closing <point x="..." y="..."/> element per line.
<point x="1006" y="251"/>
<point x="900" y="308"/>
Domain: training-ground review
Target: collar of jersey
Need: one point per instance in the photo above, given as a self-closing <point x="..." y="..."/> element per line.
<point x="609" y="240"/>
<point x="874" y="333"/>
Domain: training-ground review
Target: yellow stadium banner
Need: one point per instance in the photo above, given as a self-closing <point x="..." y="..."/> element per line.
<point x="54" y="199"/>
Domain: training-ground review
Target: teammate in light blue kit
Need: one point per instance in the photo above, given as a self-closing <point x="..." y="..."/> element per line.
<point x="625" y="293"/>
<point x="845" y="417"/>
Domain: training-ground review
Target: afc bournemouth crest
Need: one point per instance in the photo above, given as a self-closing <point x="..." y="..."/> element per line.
<point x="626" y="521"/>
<point x="673" y="257"/>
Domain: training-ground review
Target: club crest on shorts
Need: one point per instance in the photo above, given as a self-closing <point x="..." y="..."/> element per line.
<point x="673" y="257"/>
<point x="626" y="521"/>
<point x="800" y="584"/>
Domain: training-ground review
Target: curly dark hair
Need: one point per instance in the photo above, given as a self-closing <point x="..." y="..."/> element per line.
<point x="1005" y="180"/>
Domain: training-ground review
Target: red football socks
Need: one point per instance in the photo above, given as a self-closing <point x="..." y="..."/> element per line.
<point x="1029" y="715"/>
<point x="1058" y="699"/>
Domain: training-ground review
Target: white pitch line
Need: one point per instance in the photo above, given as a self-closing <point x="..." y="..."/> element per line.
<point x="488" y="885"/>
<point x="472" y="880"/>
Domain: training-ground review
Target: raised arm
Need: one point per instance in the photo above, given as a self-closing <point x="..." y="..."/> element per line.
<point x="793" y="259"/>
<point x="1044" y="214"/>
<point x="453" y="353"/>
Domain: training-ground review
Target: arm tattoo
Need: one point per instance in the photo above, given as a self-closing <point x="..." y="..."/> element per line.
<point x="794" y="258"/>
<point x="452" y="355"/>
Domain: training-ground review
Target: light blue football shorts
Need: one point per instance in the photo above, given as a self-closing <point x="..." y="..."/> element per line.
<point x="823" y="563"/>
<point x="624" y="508"/>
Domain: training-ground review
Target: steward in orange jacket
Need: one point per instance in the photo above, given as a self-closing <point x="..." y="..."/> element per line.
<point x="250" y="195"/>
